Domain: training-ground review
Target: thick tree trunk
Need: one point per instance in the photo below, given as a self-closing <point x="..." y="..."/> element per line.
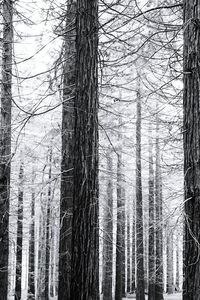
<point x="31" y="271"/>
<point x="139" y="209"/>
<point x="159" y="225"/>
<point x="151" y="263"/>
<point x="85" y="232"/>
<point x="66" y="203"/>
<point x="18" y="280"/>
<point x="108" y="234"/>
<point x="170" y="263"/>
<point x="5" y="142"/>
<point x="120" y="244"/>
<point x="48" y="227"/>
<point x="191" y="132"/>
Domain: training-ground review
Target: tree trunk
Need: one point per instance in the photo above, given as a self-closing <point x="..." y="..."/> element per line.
<point x="85" y="232"/>
<point x="120" y="244"/>
<point x="133" y="249"/>
<point x="66" y="203"/>
<point x="31" y="271"/>
<point x="128" y="254"/>
<point x="159" y="229"/>
<point x="5" y="142"/>
<point x="191" y="130"/>
<point x="152" y="269"/>
<point x="18" y="280"/>
<point x="139" y="209"/>
<point x="48" y="229"/>
<point x="177" y="266"/>
<point x="170" y="263"/>
<point x="108" y="233"/>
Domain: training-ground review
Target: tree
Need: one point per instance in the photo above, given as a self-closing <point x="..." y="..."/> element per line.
<point x="108" y="233"/>
<point x="159" y="229"/>
<point x="139" y="207"/>
<point x="85" y="237"/>
<point x="170" y="262"/>
<point x="18" y="281"/>
<point x="66" y="203"/>
<point x="151" y="262"/>
<point x="128" y="253"/>
<point x="120" y="243"/>
<point x="191" y="129"/>
<point x="5" y="141"/>
<point x="31" y="271"/>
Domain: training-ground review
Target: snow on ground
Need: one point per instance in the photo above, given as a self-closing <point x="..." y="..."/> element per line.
<point x="176" y="296"/>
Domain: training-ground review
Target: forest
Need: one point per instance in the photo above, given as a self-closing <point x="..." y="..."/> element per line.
<point x="99" y="149"/>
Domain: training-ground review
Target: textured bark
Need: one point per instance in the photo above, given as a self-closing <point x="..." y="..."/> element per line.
<point x="191" y="130"/>
<point x="128" y="254"/>
<point x="159" y="229"/>
<point x="151" y="263"/>
<point x="5" y="142"/>
<point x="177" y="266"/>
<point x="170" y="263"/>
<point x="18" y="280"/>
<point x="120" y="244"/>
<point x="31" y="271"/>
<point x="48" y="227"/>
<point x="108" y="234"/>
<point x="133" y="249"/>
<point x="139" y="209"/>
<point x="85" y="233"/>
<point x="66" y="203"/>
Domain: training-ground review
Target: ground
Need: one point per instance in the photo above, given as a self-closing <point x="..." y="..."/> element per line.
<point x="176" y="296"/>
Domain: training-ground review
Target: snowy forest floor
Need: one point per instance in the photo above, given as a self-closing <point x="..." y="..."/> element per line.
<point x="177" y="296"/>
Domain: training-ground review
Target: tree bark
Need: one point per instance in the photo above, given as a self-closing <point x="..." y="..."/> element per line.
<point x="85" y="232"/>
<point x="170" y="263"/>
<point x="66" y="203"/>
<point x="128" y="254"/>
<point x="133" y="249"/>
<point x="18" y="280"/>
<point x="191" y="141"/>
<point x="139" y="209"/>
<point x="108" y="233"/>
<point x="120" y="244"/>
<point x="5" y="142"/>
<point x="151" y="263"/>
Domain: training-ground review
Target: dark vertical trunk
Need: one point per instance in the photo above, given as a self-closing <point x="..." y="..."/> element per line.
<point x="128" y="254"/>
<point x="159" y="227"/>
<point x="151" y="263"/>
<point x="133" y="249"/>
<point x="48" y="229"/>
<point x="108" y="233"/>
<point x="31" y="271"/>
<point x="191" y="140"/>
<point x="120" y="244"/>
<point x="177" y="286"/>
<point x="170" y="263"/>
<point x="139" y="209"/>
<point x="18" y="281"/>
<point x="5" y="142"/>
<point x="66" y="203"/>
<point x="85" y="232"/>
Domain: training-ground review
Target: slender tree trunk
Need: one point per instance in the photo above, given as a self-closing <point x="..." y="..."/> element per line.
<point x="66" y="203"/>
<point x="5" y="142"/>
<point x="170" y="263"/>
<point x="133" y="249"/>
<point x="48" y="229"/>
<point x="128" y="253"/>
<point x="177" y="266"/>
<point x="108" y="234"/>
<point x="31" y="271"/>
<point x="85" y="232"/>
<point x="159" y="229"/>
<point x="139" y="209"/>
<point x="18" y="281"/>
<point x="152" y="269"/>
<point x="191" y="140"/>
<point x="120" y="244"/>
